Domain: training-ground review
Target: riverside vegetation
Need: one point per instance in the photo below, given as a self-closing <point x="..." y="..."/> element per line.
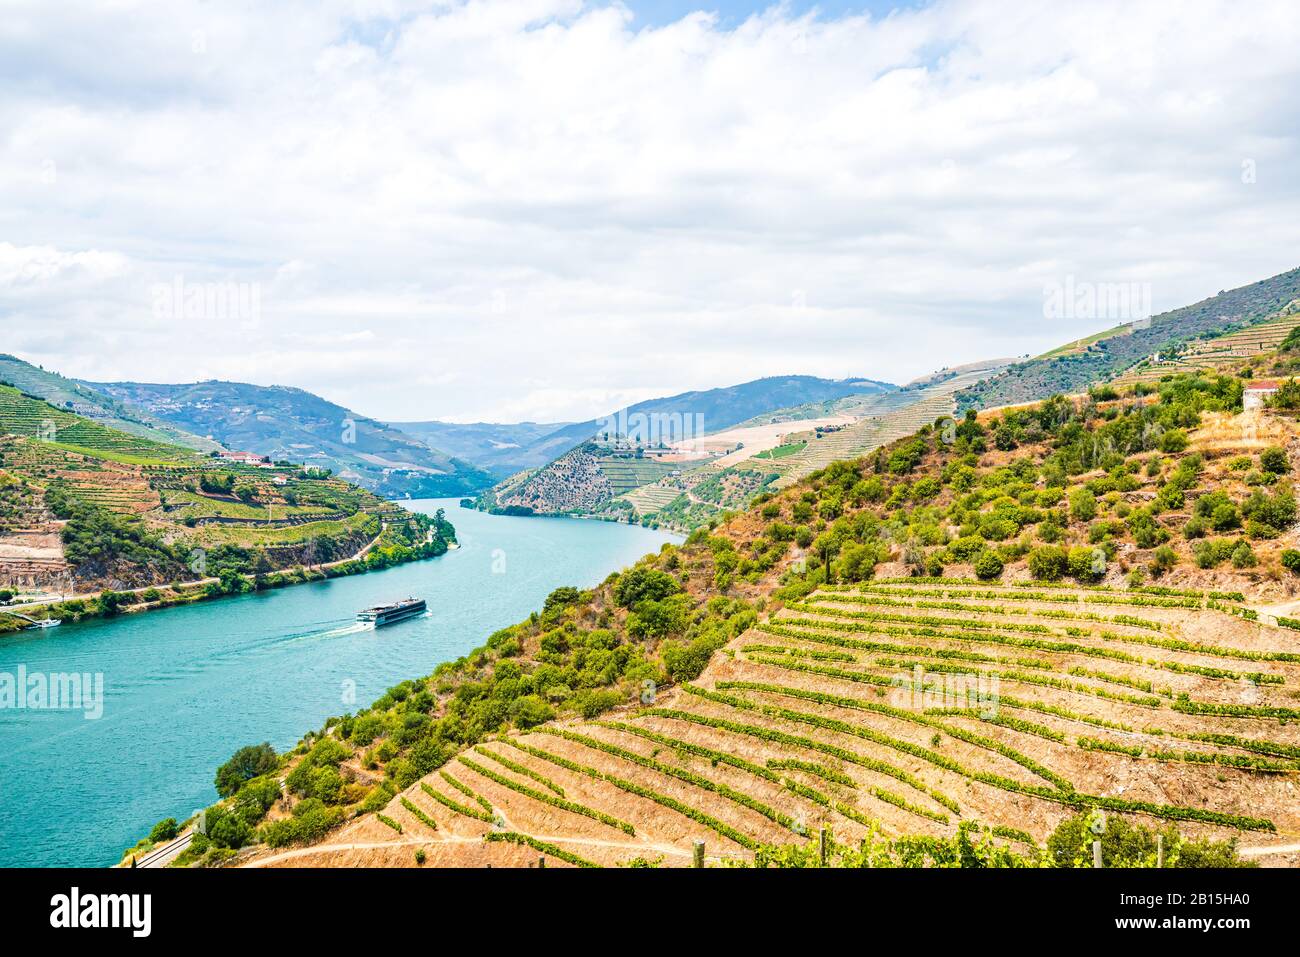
<point x="131" y="523"/>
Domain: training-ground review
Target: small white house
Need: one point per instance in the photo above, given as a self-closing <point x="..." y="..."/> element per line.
<point x="1253" y="396"/>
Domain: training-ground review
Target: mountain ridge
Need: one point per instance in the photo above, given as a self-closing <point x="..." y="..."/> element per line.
<point x="292" y="424"/>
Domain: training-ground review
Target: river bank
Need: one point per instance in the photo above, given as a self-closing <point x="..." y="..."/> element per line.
<point x="186" y="686"/>
<point x="109" y="603"/>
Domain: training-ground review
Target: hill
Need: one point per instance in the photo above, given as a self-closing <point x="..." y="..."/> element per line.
<point x="696" y="412"/>
<point x="498" y="448"/>
<point x="75" y="397"/>
<point x="117" y="520"/>
<point x="296" y="426"/>
<point x="1076" y="366"/>
<point x="988" y="635"/>
<point x="689" y="483"/>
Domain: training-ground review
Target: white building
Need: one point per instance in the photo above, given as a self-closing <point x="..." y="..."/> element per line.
<point x="1253" y="396"/>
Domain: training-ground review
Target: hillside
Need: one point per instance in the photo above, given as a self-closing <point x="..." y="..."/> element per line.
<point x="501" y="449"/>
<point x="700" y="411"/>
<point x="86" y="509"/>
<point x="690" y="483"/>
<point x="115" y="413"/>
<point x="1073" y="368"/>
<point x="972" y="642"/>
<point x="296" y="426"/>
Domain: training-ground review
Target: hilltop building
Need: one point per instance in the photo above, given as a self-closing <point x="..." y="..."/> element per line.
<point x="247" y="458"/>
<point x="1253" y="396"/>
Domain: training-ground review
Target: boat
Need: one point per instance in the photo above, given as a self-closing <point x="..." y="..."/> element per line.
<point x="397" y="611"/>
<point x="47" y="623"/>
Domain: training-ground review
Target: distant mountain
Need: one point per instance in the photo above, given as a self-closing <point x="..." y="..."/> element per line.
<point x="717" y="409"/>
<point x="296" y="426"/>
<point x="76" y="397"/>
<point x="581" y="476"/>
<point x="1077" y="365"/>
<point x="500" y="448"/>
<point x="507" y="449"/>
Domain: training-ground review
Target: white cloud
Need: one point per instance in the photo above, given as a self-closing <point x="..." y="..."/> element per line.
<point x="533" y="208"/>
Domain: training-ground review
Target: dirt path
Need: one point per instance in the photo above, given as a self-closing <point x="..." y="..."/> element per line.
<point x="1265" y="851"/>
<point x="667" y="850"/>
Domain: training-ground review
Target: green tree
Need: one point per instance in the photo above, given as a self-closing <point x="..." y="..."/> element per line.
<point x="164" y="830"/>
<point x="1083" y="505"/>
<point x="1048" y="563"/>
<point x="247" y="763"/>
<point x="988" y="565"/>
<point x="1274" y="459"/>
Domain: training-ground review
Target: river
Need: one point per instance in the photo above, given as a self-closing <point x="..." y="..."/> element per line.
<point x="184" y="687"/>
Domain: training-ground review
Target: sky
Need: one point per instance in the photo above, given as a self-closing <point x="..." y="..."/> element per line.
<point x="546" y="209"/>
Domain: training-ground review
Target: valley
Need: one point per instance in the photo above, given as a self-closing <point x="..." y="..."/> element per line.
<point x="987" y="636"/>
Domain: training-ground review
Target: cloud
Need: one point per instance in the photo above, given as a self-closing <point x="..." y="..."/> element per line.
<point x="532" y="208"/>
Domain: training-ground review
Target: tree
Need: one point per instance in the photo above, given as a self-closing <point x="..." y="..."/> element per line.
<point x="247" y="763"/>
<point x="1048" y="563"/>
<point x="1274" y="459"/>
<point x="164" y="830"/>
<point x="562" y="597"/>
<point x="988" y="565"/>
<point x="644" y="584"/>
<point x="1083" y="505"/>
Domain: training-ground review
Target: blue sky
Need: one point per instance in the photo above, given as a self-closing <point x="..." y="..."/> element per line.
<point x="731" y="12"/>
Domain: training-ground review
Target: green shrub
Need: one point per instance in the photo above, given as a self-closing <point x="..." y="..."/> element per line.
<point x="1087" y="564"/>
<point x="164" y="830"/>
<point x="1083" y="505"/>
<point x="1048" y="563"/>
<point x="1274" y="459"/>
<point x="246" y="763"/>
<point x="988" y="565"/>
<point x="1163" y="560"/>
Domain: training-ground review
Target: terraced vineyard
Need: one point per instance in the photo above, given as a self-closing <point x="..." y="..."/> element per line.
<point x="103" y="494"/>
<point x="1214" y="354"/>
<point x="626" y="474"/>
<point x="896" y="707"/>
<point x="886" y="418"/>
<point x="22" y="415"/>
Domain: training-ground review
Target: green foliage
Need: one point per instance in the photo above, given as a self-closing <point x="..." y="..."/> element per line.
<point x="988" y="565"/>
<point x="644" y="584"/>
<point x="311" y="821"/>
<point x="1125" y="844"/>
<point x="1048" y="563"/>
<point x="246" y="763"/>
<point x="1083" y="505"/>
<point x="93" y="535"/>
<point x="1274" y="459"/>
<point x="165" y="830"/>
<point x="560" y="599"/>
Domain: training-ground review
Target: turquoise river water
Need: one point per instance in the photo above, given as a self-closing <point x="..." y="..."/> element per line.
<point x="185" y="687"/>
